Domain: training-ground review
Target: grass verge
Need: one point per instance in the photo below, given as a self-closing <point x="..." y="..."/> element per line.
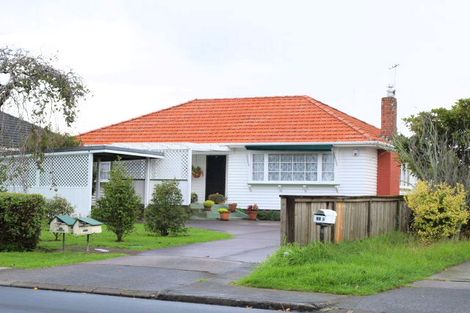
<point x="356" y="268"/>
<point x="49" y="252"/>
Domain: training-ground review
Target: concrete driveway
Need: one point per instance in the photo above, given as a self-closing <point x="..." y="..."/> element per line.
<point x="158" y="270"/>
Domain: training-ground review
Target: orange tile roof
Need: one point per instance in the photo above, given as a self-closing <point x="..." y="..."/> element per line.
<point x="240" y="120"/>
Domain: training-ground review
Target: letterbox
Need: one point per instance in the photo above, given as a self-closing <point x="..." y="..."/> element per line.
<point x="62" y="224"/>
<point x="325" y="217"/>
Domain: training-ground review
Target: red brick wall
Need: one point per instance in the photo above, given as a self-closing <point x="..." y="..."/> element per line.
<point x="389" y="117"/>
<point x="388" y="174"/>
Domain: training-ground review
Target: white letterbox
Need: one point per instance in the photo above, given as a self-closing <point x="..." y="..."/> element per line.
<point x="326" y="217"/>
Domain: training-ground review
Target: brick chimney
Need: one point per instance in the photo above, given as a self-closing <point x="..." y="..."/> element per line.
<point x="388" y="167"/>
<point x="389" y="115"/>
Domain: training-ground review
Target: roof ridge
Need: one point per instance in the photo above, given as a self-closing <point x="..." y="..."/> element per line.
<point x="329" y="110"/>
<point x="137" y="117"/>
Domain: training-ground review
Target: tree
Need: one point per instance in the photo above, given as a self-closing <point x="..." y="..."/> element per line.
<point x="36" y="89"/>
<point x="165" y="213"/>
<point x="438" y="149"/>
<point x="118" y="207"/>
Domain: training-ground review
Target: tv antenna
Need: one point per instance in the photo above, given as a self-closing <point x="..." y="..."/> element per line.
<point x="391" y="90"/>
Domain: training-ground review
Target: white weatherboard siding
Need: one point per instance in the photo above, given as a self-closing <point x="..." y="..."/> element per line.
<point x="198" y="185"/>
<point x="355" y="174"/>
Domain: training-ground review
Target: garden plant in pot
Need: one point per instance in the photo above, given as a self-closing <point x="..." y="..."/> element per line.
<point x="196" y="171"/>
<point x="224" y="214"/>
<point x="217" y="198"/>
<point x="252" y="211"/>
<point x="208" y="205"/>
<point x="232" y="207"/>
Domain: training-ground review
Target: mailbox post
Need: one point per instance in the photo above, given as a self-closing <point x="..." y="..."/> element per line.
<point x="324" y="218"/>
<point x="66" y="224"/>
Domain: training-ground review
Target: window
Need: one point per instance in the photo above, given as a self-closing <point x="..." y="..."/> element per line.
<point x="298" y="167"/>
<point x="105" y="170"/>
<point x="405" y="179"/>
<point x="258" y="166"/>
<point x="328" y="167"/>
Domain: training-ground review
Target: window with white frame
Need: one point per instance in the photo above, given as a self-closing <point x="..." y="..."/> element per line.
<point x="105" y="171"/>
<point x="293" y="167"/>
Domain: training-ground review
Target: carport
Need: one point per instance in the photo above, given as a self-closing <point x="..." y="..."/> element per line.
<point x="70" y="173"/>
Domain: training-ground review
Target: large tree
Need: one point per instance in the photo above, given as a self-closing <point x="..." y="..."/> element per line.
<point x="438" y="149"/>
<point x="29" y="81"/>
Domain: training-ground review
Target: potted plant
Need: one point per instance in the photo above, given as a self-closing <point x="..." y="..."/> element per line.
<point x="208" y="205"/>
<point x="232" y="207"/>
<point x="252" y="211"/>
<point x="196" y="171"/>
<point x="224" y="214"/>
<point x="194" y="197"/>
<point x="217" y="198"/>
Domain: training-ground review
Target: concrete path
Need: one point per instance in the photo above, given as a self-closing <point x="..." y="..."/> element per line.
<point x="194" y="273"/>
<point x="448" y="291"/>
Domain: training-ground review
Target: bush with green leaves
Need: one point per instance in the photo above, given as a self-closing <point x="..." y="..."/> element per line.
<point x="165" y="213"/>
<point x="118" y="208"/>
<point x="57" y="206"/>
<point x="21" y="217"/>
<point x="439" y="211"/>
<point x="208" y="204"/>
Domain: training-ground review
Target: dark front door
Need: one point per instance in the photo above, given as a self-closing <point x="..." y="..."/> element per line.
<point x="215" y="174"/>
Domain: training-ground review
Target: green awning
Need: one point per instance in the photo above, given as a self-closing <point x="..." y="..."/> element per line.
<point x="307" y="147"/>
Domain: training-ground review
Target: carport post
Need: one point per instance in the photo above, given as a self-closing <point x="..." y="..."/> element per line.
<point x="98" y="178"/>
<point x="147" y="182"/>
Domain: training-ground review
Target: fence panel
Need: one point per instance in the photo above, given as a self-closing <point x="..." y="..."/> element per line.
<point x="357" y="217"/>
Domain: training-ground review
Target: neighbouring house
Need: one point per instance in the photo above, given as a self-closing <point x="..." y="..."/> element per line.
<point x="252" y="150"/>
<point x="13" y="131"/>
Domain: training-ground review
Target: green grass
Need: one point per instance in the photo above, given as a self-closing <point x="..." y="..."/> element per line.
<point x="36" y="259"/>
<point x="48" y="252"/>
<point x="138" y="240"/>
<point x="356" y="268"/>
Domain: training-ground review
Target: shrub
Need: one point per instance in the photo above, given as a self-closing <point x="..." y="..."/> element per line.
<point x="194" y="197"/>
<point x="118" y="208"/>
<point x="217" y="198"/>
<point x="20" y="221"/>
<point x="57" y="206"/>
<point x="165" y="213"/>
<point x="223" y="210"/>
<point x="208" y="204"/>
<point x="439" y="211"/>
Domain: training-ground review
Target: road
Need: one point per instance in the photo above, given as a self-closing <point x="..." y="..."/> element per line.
<point x="19" y="300"/>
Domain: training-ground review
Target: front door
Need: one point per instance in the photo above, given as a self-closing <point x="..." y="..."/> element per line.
<point x="215" y="174"/>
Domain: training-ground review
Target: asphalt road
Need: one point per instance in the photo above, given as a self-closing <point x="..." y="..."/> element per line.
<point x="19" y="300"/>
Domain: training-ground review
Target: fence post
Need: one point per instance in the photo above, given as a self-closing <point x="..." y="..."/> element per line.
<point x="340" y="220"/>
<point x="369" y="218"/>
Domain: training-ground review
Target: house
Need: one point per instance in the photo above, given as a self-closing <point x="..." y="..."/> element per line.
<point x="13" y="131"/>
<point x="254" y="149"/>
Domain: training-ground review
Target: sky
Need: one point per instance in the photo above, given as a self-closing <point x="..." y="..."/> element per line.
<point x="138" y="57"/>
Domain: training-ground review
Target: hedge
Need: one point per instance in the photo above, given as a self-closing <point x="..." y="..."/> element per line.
<point x="20" y="220"/>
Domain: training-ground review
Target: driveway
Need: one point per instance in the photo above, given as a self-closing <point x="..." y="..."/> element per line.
<point x="167" y="268"/>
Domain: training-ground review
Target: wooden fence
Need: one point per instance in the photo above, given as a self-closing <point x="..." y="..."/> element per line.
<point x="357" y="217"/>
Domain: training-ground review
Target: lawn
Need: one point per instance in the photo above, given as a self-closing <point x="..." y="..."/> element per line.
<point x="48" y="252"/>
<point x="356" y="268"/>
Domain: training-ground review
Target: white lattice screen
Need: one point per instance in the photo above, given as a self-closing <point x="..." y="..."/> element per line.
<point x="174" y="165"/>
<point x="65" y="171"/>
<point x="21" y="172"/>
<point x="135" y="168"/>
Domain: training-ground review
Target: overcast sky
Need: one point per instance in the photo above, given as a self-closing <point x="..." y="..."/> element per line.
<point x="138" y="57"/>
